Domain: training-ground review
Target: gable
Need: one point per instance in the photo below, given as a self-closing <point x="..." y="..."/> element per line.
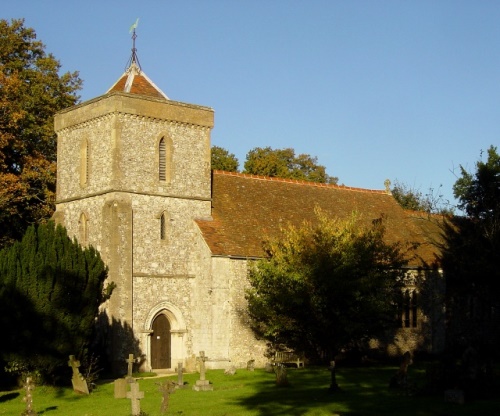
<point x="248" y="210"/>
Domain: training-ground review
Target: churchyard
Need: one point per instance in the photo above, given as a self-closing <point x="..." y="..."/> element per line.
<point x="364" y="391"/>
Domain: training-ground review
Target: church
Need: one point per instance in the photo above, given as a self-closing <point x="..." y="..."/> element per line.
<point x="134" y="180"/>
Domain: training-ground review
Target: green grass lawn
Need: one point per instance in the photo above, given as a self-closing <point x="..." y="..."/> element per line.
<point x="364" y="392"/>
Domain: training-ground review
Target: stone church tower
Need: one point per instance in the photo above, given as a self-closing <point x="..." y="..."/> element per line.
<point x="133" y="174"/>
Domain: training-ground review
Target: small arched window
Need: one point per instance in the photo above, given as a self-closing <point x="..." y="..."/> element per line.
<point x="162" y="162"/>
<point x="164" y="226"/>
<point x="83" y="229"/>
<point x="84" y="162"/>
<point x="165" y="156"/>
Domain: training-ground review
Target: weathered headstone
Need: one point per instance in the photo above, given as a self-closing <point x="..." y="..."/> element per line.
<point x="230" y="371"/>
<point x="135" y="396"/>
<point x="202" y="384"/>
<point x="180" y="375"/>
<point x="333" y="377"/>
<point x="29" y="386"/>
<point x="121" y="384"/>
<point x="166" y="389"/>
<point x="454" y="396"/>
<point x="121" y="388"/>
<point x="251" y="365"/>
<point x="130" y="366"/>
<point x="269" y="367"/>
<point x="281" y="375"/>
<point x="78" y="381"/>
<point x="400" y="379"/>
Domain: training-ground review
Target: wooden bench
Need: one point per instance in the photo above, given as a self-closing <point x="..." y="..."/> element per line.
<point x="288" y="357"/>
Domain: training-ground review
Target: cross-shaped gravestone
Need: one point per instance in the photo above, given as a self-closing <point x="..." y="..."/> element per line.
<point x="29" y="386"/>
<point x="201" y="359"/>
<point x="79" y="383"/>
<point x="180" y="381"/>
<point x="166" y="389"/>
<point x="135" y="396"/>
<point x="130" y="362"/>
<point x="202" y="384"/>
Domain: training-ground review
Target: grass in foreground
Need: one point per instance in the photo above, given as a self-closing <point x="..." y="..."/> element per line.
<point x="364" y="392"/>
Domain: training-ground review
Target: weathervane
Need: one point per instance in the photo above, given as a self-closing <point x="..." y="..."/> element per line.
<point x="134" y="59"/>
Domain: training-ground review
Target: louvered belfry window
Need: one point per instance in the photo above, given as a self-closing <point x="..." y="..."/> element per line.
<point x="162" y="165"/>
<point x="163" y="227"/>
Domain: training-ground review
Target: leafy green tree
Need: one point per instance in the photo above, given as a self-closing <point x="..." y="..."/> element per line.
<point x="326" y="287"/>
<point x="50" y="292"/>
<point x="471" y="258"/>
<point x="31" y="92"/>
<point x="223" y="160"/>
<point x="283" y="163"/>
<point x="413" y="199"/>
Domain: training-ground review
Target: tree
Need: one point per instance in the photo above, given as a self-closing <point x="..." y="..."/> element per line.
<point x="283" y="163"/>
<point x="31" y="92"/>
<point x="326" y="287"/>
<point x="470" y="257"/>
<point x="50" y="292"/>
<point x="413" y="199"/>
<point x="223" y="160"/>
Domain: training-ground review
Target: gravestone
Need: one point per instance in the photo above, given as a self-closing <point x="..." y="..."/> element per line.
<point x="202" y="384"/>
<point x="79" y="383"/>
<point x="454" y="396"/>
<point x="29" y="386"/>
<point x="251" y="365"/>
<point x="166" y="389"/>
<point x="121" y="388"/>
<point x="121" y="384"/>
<point x="130" y="366"/>
<point x="135" y="396"/>
<point x="180" y="375"/>
<point x="333" y="377"/>
<point x="281" y="375"/>
<point x="400" y="379"/>
<point x="231" y="371"/>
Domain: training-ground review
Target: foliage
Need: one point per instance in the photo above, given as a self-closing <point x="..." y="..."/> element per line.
<point x="31" y="92"/>
<point x="283" y="163"/>
<point x="413" y="199"/>
<point x="326" y="287"/>
<point x="50" y="292"/>
<point x="471" y="261"/>
<point x="223" y="160"/>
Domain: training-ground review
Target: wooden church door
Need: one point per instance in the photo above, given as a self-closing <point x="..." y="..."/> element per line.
<point x="160" y="343"/>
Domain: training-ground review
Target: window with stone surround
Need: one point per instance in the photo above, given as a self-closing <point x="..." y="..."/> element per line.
<point x="165" y="150"/>
<point x="409" y="309"/>
<point x="83" y="229"/>
<point x="164" y="225"/>
<point x="84" y="162"/>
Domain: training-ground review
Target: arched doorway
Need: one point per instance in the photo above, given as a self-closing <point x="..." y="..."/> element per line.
<point x="161" y="343"/>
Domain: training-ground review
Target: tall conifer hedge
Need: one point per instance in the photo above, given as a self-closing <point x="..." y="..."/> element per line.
<point x="50" y="292"/>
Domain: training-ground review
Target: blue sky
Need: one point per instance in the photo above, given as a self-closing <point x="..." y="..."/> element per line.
<point x="399" y="90"/>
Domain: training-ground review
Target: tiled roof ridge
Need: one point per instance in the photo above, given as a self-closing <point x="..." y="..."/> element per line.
<point x="300" y="182"/>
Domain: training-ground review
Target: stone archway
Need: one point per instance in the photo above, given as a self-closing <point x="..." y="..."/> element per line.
<point x="161" y="343"/>
<point x="164" y="320"/>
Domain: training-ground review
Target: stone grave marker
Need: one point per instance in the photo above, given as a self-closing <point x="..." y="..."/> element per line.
<point x="78" y="381"/>
<point x="202" y="384"/>
<point x="29" y="386"/>
<point x="135" y="396"/>
<point x="454" y="396"/>
<point x="230" y="371"/>
<point x="130" y="365"/>
<point x="251" y="365"/>
<point x="281" y="375"/>
<point x="180" y="375"/>
<point x="121" y="384"/>
<point x="166" y="389"/>
<point x="400" y="379"/>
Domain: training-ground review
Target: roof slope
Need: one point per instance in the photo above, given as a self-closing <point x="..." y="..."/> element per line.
<point x="248" y="209"/>
<point x="135" y="81"/>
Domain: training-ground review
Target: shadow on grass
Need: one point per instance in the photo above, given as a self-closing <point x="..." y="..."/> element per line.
<point x="8" y="396"/>
<point x="47" y="409"/>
